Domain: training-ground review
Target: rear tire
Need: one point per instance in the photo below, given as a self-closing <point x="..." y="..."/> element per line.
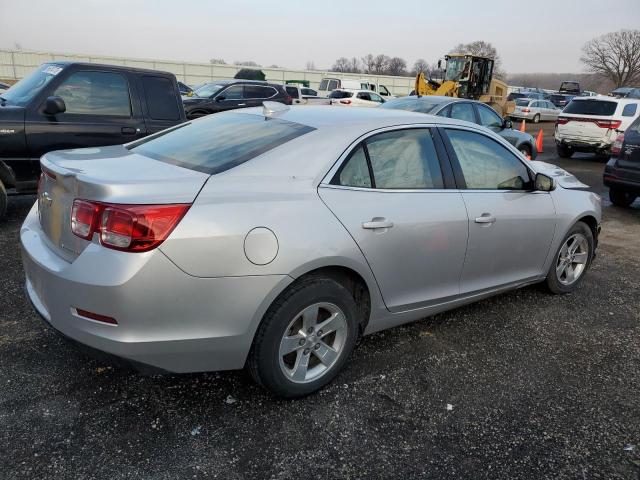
<point x="3" y="200"/>
<point x="572" y="260"/>
<point x="294" y="324"/>
<point x="621" y="198"/>
<point x="536" y="118"/>
<point x="564" y="151"/>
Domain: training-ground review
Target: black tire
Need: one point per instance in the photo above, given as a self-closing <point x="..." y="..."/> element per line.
<point x="3" y="200"/>
<point x="264" y="361"/>
<point x="552" y="281"/>
<point x="525" y="150"/>
<point x="621" y="198"/>
<point x="536" y="118"/>
<point x="564" y="151"/>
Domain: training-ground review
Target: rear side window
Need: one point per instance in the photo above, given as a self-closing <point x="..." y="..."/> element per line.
<point x="292" y="91"/>
<point x="219" y="142"/>
<point x="463" y="111"/>
<point x="340" y="94"/>
<point x="591" y="107"/>
<point x="161" y="98"/>
<point x="485" y="164"/>
<point x="629" y="110"/>
<point x="257" y="91"/>
<point x="356" y="171"/>
<point x="333" y="84"/>
<point x="364" y="96"/>
<point x="96" y="93"/>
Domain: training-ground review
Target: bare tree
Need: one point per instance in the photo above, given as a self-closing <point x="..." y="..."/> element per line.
<point x="354" y="65"/>
<point x="368" y="62"/>
<point x="381" y="64"/>
<point x="420" y="65"/>
<point x="218" y="61"/>
<point x="311" y="65"/>
<point x="274" y="66"/>
<point x="397" y="66"/>
<point x="615" y="56"/>
<point x="249" y="63"/>
<point x="482" y="49"/>
<point x="341" y="65"/>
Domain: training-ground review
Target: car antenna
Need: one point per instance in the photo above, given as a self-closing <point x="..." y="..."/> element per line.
<point x="273" y="109"/>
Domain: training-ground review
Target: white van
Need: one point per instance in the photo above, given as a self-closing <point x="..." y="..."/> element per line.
<point x="329" y="84"/>
<point x="591" y="124"/>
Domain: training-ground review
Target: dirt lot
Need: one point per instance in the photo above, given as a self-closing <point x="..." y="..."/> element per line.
<point x="540" y="386"/>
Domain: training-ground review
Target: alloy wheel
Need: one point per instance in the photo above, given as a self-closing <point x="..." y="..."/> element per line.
<point x="312" y="342"/>
<point x="572" y="259"/>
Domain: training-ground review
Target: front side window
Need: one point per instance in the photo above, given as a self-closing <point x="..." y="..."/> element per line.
<point x="487" y="165"/>
<point x="333" y="84"/>
<point x="219" y="142"/>
<point x="463" y="111"/>
<point x="324" y="84"/>
<point x="96" y="93"/>
<point x="208" y="90"/>
<point x="489" y="118"/>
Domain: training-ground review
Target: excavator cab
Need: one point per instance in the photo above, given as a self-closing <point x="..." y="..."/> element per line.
<point x="472" y="74"/>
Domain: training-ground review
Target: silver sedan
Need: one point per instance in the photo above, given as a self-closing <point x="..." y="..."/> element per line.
<point x="273" y="238"/>
<point x="535" y="110"/>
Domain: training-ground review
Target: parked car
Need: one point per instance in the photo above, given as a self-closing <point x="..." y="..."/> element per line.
<point x="232" y="94"/>
<point x="626" y="92"/>
<point x="355" y="98"/>
<point x="4" y="86"/>
<point x="72" y="105"/>
<point x="526" y="94"/>
<point x="567" y="91"/>
<point x="622" y="172"/>
<point x="185" y="90"/>
<point x="305" y="96"/>
<point x="329" y="84"/>
<point x="470" y="111"/>
<point x="214" y="246"/>
<point x="591" y="124"/>
<point x="535" y="110"/>
<point x="588" y="93"/>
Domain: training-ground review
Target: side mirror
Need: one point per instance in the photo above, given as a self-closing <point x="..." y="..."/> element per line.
<point x="544" y="183"/>
<point x="220" y="98"/>
<point x="54" y="106"/>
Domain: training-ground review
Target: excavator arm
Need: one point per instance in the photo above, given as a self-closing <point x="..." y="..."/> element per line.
<point x="431" y="87"/>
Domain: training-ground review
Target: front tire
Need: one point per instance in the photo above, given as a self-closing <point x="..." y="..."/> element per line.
<point x="526" y="151"/>
<point x="305" y="338"/>
<point x="621" y="198"/>
<point x="564" y="151"/>
<point x="572" y="260"/>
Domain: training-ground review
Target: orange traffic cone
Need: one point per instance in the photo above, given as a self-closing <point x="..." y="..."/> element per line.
<point x="539" y="141"/>
<point x="522" y="126"/>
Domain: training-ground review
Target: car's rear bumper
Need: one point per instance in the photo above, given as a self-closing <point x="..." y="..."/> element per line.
<point x="584" y="145"/>
<point x="520" y="115"/>
<point x="166" y="318"/>
<point x="623" y="179"/>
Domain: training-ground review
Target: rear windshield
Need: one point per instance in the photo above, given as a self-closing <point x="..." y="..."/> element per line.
<point x="421" y="105"/>
<point x="591" y="107"/>
<point x="522" y="102"/>
<point x="217" y="143"/>
<point x="340" y="94"/>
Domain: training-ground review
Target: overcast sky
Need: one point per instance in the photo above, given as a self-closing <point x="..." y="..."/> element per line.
<point x="533" y="36"/>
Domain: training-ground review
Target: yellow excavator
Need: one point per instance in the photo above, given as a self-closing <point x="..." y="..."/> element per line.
<point x="468" y="76"/>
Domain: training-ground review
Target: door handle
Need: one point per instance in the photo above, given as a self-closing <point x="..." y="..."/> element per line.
<point x="128" y="130"/>
<point x="377" y="222"/>
<point x="486" y="218"/>
<point x="242" y="104"/>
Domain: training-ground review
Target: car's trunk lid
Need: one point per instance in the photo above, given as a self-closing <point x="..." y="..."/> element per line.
<point x="108" y="175"/>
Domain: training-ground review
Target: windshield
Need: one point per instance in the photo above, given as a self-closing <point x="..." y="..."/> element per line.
<point x="420" y="105"/>
<point x="591" y="107"/>
<point x="208" y="89"/>
<point x="340" y="94"/>
<point x="27" y="88"/>
<point x="570" y="87"/>
<point x="457" y="69"/>
<point x="219" y="142"/>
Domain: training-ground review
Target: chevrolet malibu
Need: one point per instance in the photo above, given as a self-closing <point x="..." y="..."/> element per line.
<point x="273" y="238"/>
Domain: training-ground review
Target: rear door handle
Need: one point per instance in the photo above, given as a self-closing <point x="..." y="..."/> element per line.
<point x="377" y="223"/>
<point x="486" y="218"/>
<point x="128" y="130"/>
<point x="242" y="104"/>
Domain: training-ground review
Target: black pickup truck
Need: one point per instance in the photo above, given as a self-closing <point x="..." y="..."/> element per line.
<point x="566" y="92"/>
<point x="66" y="105"/>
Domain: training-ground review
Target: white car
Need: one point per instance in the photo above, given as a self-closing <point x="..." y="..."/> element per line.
<point x="329" y="84"/>
<point x="591" y="124"/>
<point x="355" y="98"/>
<point x="535" y="110"/>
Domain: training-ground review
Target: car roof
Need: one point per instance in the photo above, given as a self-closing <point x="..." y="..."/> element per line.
<point x="239" y="80"/>
<point x="66" y="63"/>
<point x="353" y="90"/>
<point x="603" y="98"/>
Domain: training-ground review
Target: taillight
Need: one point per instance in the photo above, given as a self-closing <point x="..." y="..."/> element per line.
<point x="131" y="228"/>
<point x="617" y="144"/>
<point x="345" y="102"/>
<point x="562" y="120"/>
<point x="526" y="110"/>
<point x="609" y="123"/>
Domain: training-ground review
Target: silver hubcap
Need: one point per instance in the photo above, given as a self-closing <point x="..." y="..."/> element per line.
<point x="572" y="259"/>
<point x="313" y="342"/>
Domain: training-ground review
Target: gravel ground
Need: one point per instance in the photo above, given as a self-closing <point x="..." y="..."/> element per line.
<point x="524" y="385"/>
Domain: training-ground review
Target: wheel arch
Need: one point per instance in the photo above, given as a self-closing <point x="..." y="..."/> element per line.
<point x="6" y="175"/>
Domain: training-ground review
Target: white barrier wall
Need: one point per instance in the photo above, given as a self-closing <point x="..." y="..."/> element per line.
<point x="16" y="64"/>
